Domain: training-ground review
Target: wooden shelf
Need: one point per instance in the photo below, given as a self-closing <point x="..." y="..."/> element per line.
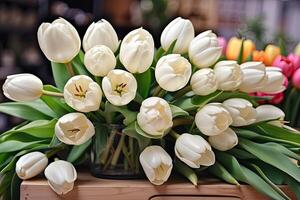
<point x="90" y="188"/>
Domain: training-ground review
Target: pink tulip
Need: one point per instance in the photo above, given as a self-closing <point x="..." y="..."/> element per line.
<point x="296" y="79"/>
<point x="223" y="43"/>
<point x="295" y="60"/>
<point x="275" y="98"/>
<point x="284" y="64"/>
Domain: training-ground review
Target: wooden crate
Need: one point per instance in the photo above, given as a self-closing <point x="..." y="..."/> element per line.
<point x="90" y="188"/>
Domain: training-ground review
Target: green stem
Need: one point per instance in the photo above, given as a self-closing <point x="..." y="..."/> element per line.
<point x="157" y="90"/>
<point x="98" y="80"/>
<point x="174" y="134"/>
<point x="108" y="146"/>
<point x="54" y="94"/>
<point x="116" y="155"/>
<point x="182" y="121"/>
<point x="69" y="68"/>
<point x="182" y="92"/>
<point x="131" y="150"/>
<point x="127" y="156"/>
<point x="55" y="150"/>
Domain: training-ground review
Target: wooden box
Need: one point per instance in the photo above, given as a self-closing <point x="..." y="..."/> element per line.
<point x="90" y="188"/>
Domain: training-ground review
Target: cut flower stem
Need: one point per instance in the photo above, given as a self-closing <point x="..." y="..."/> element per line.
<point x="54" y="94"/>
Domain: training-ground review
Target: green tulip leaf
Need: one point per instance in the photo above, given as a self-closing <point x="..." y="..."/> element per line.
<point x="77" y="151"/>
<point x="186" y="171"/>
<point x="144" y="83"/>
<point x="130" y="116"/>
<point x="177" y="111"/>
<point x="219" y="171"/>
<point x="78" y="65"/>
<point x="133" y="130"/>
<point x="60" y="74"/>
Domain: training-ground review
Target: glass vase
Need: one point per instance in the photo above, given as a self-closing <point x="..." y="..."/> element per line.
<point x="114" y="155"/>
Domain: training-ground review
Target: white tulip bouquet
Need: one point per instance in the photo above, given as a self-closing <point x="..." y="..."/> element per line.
<point x="128" y="110"/>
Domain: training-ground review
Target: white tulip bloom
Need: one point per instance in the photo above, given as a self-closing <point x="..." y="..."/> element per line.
<point x="22" y="87"/>
<point x="204" y="49"/>
<point x="137" y="51"/>
<point x="157" y="164"/>
<point x="61" y="176"/>
<point x="275" y="82"/>
<point x="241" y="111"/>
<point x="155" y="116"/>
<point x="173" y="72"/>
<point x="119" y="87"/>
<point x="229" y="75"/>
<point x="182" y="31"/>
<point x="59" y="40"/>
<point x="194" y="151"/>
<point x="99" y="60"/>
<point x="100" y="33"/>
<point x="74" y="129"/>
<point x="213" y="119"/>
<point x="82" y="93"/>
<point x="31" y="164"/>
<point x="204" y="82"/>
<point x="224" y="141"/>
<point x="269" y="113"/>
<point x="254" y="76"/>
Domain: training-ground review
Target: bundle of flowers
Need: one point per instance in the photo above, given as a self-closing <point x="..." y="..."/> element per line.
<point x="274" y="58"/>
<point x="126" y="110"/>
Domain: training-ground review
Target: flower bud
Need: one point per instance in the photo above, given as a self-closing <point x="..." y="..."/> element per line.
<point x="82" y="93"/>
<point x="119" y="87"/>
<point x="22" y="87"/>
<point x="222" y="43"/>
<point x="296" y="79"/>
<point x="241" y="111"/>
<point x="31" y="164"/>
<point x="297" y="49"/>
<point x="271" y="52"/>
<point x="137" y="51"/>
<point x="61" y="176"/>
<point x="268" y="113"/>
<point x="99" y="60"/>
<point x="157" y="164"/>
<point x="213" y="119"/>
<point x="254" y="76"/>
<point x="182" y="31"/>
<point x="194" y="151"/>
<point x="229" y="75"/>
<point x="59" y="40"/>
<point x="234" y="47"/>
<point x="155" y="116"/>
<point x="284" y="64"/>
<point x="173" y="72"/>
<point x="224" y="141"/>
<point x="204" y="82"/>
<point x="295" y="60"/>
<point x="100" y="33"/>
<point x="74" y="129"/>
<point x="204" y="49"/>
<point x="275" y="81"/>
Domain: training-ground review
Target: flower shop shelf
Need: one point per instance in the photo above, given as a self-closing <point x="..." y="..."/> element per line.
<point x="88" y="187"/>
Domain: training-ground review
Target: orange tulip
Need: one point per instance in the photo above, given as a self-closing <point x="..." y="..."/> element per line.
<point x="258" y="56"/>
<point x="234" y="47"/>
<point x="271" y="52"/>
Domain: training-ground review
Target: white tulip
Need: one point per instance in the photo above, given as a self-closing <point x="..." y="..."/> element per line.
<point x="61" y="176"/>
<point x="204" y="82"/>
<point x="59" y="40"/>
<point x="182" y="31"/>
<point x="74" y="129"/>
<point x="194" y="151"/>
<point x="82" y="93"/>
<point x="213" y="119"/>
<point x="204" y="49"/>
<point x="254" y="76"/>
<point x="155" y="116"/>
<point x="31" y="164"/>
<point x="173" y="72"/>
<point x="269" y="113"/>
<point x="275" y="82"/>
<point x="100" y="33"/>
<point x="229" y="75"/>
<point x="137" y="51"/>
<point x="241" y="111"/>
<point x="99" y="60"/>
<point x="119" y="87"/>
<point x="224" y="141"/>
<point x="22" y="87"/>
<point x="157" y="164"/>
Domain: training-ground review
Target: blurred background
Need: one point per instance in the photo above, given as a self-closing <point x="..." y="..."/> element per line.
<point x="260" y="20"/>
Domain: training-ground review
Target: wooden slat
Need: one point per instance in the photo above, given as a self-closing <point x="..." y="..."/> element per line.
<point x="90" y="188"/>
